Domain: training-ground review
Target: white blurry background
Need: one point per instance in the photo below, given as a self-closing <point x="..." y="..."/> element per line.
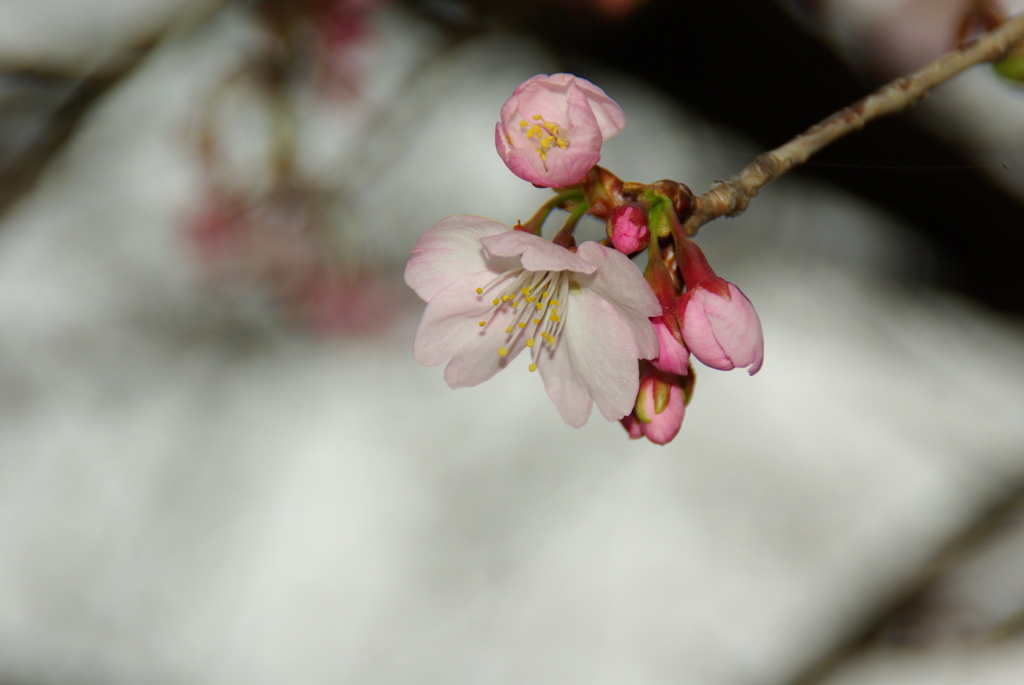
<point x="192" y="491"/>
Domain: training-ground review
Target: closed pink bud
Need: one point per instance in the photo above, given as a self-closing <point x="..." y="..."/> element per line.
<point x="552" y="128"/>
<point x="628" y="229"/>
<point x="660" y="407"/>
<point x="720" y="326"/>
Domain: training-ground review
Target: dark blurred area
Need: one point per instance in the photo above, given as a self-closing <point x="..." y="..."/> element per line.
<point x="753" y="67"/>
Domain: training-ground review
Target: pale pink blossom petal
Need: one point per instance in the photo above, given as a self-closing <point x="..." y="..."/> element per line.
<point x="535" y="253"/>
<point x="595" y="362"/>
<point x="673" y="357"/>
<point x="448" y="252"/>
<point x="451" y="321"/>
<point x="722" y="332"/>
<point x="618" y="281"/>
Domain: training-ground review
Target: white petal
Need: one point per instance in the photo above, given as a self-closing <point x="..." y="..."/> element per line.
<point x="595" y="360"/>
<point x="618" y="281"/>
<point x="449" y="251"/>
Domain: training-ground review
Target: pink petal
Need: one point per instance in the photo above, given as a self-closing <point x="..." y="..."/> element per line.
<point x="610" y="117"/>
<point x="536" y="253"/>
<point x="479" y="361"/>
<point x="450" y="323"/>
<point x="595" y="361"/>
<point x="449" y="251"/>
<point x="673" y="357"/>
<point x="618" y="281"/>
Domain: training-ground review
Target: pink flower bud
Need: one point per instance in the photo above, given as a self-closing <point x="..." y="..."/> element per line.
<point x="628" y="229"/>
<point x="552" y="128"/>
<point x="660" y="407"/>
<point x="720" y="326"/>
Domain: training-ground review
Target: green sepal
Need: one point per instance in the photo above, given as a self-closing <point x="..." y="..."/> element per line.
<point x="1011" y="67"/>
<point x="662" y="395"/>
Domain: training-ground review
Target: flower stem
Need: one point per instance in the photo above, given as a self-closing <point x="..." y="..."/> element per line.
<point x="536" y="222"/>
<point x="565" y="236"/>
<point x="731" y="197"/>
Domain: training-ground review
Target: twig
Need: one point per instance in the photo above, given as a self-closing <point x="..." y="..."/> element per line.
<point x="731" y="197"/>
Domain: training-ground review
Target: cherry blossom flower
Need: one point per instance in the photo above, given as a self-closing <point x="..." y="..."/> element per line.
<point x="552" y="128"/>
<point x="720" y="326"/>
<point x="493" y="292"/>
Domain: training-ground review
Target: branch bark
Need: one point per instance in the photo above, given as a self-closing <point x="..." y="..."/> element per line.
<point x="731" y="197"/>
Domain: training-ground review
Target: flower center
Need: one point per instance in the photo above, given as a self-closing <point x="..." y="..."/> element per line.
<point x="535" y="302"/>
<point x="545" y="134"/>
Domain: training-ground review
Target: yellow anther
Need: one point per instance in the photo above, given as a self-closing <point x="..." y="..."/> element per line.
<point x="531" y="299"/>
<point x="554" y="303"/>
<point x="479" y="291"/>
<point x="536" y="321"/>
<point x="544" y="294"/>
<point x="483" y="323"/>
<point x="555" y="318"/>
<point x="496" y="302"/>
<point x="524" y="122"/>
<point x="514" y="303"/>
<point x="502" y="351"/>
<point x="508" y="330"/>
<point x="537" y="117"/>
<point x="530" y="342"/>
<point x="533" y="367"/>
<point x="522" y="324"/>
<point x="525" y="291"/>
<point x="539" y="306"/>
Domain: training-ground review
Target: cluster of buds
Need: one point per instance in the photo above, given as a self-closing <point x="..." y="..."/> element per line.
<point x="598" y="330"/>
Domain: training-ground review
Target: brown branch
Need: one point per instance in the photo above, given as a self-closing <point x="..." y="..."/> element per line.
<point x="731" y="197"/>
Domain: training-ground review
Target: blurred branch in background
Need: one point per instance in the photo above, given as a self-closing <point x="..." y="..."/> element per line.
<point x="970" y="596"/>
<point x="42" y="102"/>
<point x="40" y="113"/>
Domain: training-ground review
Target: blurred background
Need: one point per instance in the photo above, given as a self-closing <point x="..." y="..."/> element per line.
<point x="219" y="463"/>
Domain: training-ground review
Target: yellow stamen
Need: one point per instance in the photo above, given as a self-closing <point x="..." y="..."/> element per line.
<point x="533" y="366"/>
<point x="502" y="351"/>
<point x="479" y="291"/>
<point x="483" y="323"/>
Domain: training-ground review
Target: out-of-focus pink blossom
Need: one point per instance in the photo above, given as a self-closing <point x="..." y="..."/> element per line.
<point x="659" y="409"/>
<point x="492" y="292"/>
<point x="628" y="229"/>
<point x="720" y="326"/>
<point x="552" y="128"/>
<point x="613" y="9"/>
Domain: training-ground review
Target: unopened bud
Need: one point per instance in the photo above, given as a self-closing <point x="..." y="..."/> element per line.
<point x="628" y="229"/>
